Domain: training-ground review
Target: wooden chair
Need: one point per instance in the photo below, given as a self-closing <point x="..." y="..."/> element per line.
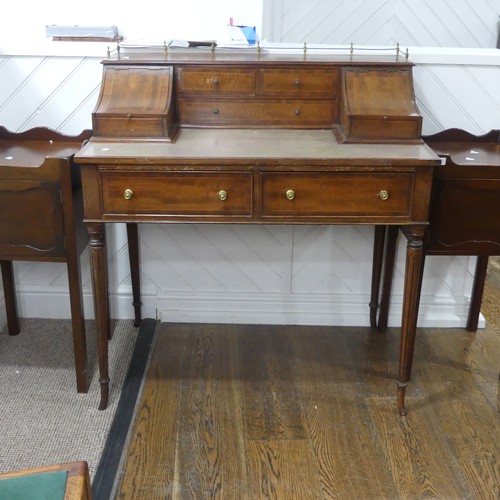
<point x="41" y="218"/>
<point x="464" y="216"/>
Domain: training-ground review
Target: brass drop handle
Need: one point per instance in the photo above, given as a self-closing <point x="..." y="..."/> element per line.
<point x="127" y="194"/>
<point x="222" y="195"/>
<point x="290" y="194"/>
<point x="383" y="195"/>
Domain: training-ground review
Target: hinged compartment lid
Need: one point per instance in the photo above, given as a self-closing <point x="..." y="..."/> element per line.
<point x="135" y="102"/>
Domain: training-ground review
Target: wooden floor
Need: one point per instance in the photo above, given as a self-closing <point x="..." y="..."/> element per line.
<point x="248" y="412"/>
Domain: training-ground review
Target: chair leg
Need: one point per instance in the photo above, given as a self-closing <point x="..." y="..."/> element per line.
<point x="10" y="297"/>
<point x="477" y="293"/>
<point x="77" y="323"/>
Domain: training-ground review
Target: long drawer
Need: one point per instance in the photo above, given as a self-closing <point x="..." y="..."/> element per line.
<point x="286" y="113"/>
<point x="324" y="194"/>
<point x="178" y="193"/>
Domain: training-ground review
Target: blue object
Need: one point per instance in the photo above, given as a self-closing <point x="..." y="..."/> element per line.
<point x="249" y="32"/>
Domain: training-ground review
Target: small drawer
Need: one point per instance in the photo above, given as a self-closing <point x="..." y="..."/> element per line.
<point x="255" y="112"/>
<point x="313" y="84"/>
<point x="31" y="220"/>
<point x="178" y="193"/>
<point x="324" y="194"/>
<point x="130" y="126"/>
<point x="216" y="81"/>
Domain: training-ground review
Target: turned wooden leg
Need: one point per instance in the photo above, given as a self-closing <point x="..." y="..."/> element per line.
<point x="477" y="293"/>
<point x="77" y="321"/>
<point x="133" y="254"/>
<point x="378" y="256"/>
<point x="390" y="257"/>
<point x="412" y="286"/>
<point x="9" y="292"/>
<point x="97" y="252"/>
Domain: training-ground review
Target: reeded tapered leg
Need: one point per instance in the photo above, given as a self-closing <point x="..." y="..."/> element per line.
<point x="378" y="256"/>
<point x="411" y="298"/>
<point x="133" y="254"/>
<point x="9" y="292"/>
<point x="97" y="252"/>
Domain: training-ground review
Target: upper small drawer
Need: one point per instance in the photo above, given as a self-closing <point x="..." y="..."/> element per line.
<point x="317" y="84"/>
<point x="216" y="81"/>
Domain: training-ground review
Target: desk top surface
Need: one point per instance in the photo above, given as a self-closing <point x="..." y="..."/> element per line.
<point x="245" y="146"/>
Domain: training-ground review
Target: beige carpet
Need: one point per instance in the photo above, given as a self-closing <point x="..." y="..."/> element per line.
<point x="43" y="420"/>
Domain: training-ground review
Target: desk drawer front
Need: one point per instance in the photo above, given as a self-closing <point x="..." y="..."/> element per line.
<point x="326" y="194"/>
<point x="31" y="222"/>
<point x="289" y="113"/>
<point x="130" y="126"/>
<point x="299" y="83"/>
<point x="178" y="193"/>
<point x="216" y="81"/>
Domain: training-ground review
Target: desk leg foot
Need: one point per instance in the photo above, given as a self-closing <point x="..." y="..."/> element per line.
<point x="401" y="399"/>
<point x="103" y="404"/>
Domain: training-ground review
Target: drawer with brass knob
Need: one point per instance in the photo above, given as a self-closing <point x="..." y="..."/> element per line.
<point x="222" y="80"/>
<point x="178" y="193"/>
<point x="296" y="82"/>
<point x="257" y="112"/>
<point x="323" y="194"/>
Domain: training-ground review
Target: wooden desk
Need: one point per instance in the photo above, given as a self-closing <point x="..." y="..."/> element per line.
<point x="464" y="213"/>
<point x="254" y="139"/>
<point x="41" y="213"/>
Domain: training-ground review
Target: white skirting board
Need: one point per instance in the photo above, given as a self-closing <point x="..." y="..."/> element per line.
<point x="301" y="309"/>
<point x="245" y="308"/>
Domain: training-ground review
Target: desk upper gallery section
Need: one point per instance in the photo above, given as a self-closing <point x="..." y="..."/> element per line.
<point x="149" y="96"/>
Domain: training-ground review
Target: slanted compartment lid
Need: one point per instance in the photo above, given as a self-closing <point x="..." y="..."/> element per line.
<point x="135" y="92"/>
<point x="379" y="95"/>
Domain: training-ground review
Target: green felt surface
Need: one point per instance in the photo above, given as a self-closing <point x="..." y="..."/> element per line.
<point x="41" y="486"/>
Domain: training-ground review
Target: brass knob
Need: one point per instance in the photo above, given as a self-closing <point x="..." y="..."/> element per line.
<point x="216" y="111"/>
<point x="222" y="195"/>
<point x="383" y="195"/>
<point x="216" y="81"/>
<point x="290" y="194"/>
<point x="127" y="194"/>
<point x="297" y="112"/>
<point x="297" y="82"/>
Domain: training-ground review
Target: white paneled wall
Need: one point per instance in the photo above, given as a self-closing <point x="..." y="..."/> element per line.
<point x="273" y="274"/>
<point x="424" y="23"/>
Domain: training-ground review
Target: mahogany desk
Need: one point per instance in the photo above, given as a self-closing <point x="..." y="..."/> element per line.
<point x="256" y="139"/>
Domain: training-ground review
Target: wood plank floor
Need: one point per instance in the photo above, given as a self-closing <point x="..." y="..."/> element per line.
<point x="249" y="412"/>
